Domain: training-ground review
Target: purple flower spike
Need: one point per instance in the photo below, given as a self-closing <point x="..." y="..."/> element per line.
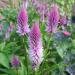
<point x="23" y="27"/>
<point x="53" y="19"/>
<point x="15" y="62"/>
<point x="36" y="48"/>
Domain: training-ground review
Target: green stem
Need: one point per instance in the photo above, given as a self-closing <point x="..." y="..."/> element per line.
<point x="17" y="71"/>
<point x="34" y="72"/>
<point x="48" y="45"/>
<point x="26" y="57"/>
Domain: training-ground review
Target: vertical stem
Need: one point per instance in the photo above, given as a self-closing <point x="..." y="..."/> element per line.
<point x="34" y="72"/>
<point x="25" y="54"/>
<point x="17" y="71"/>
<point x="49" y="41"/>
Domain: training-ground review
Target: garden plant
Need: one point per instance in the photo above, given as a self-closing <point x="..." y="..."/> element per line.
<point x="37" y="37"/>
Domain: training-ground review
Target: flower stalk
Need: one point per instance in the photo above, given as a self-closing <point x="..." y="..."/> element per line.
<point x="26" y="55"/>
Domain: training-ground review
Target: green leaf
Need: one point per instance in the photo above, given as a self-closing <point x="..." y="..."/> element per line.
<point x="2" y="45"/>
<point x="4" y="60"/>
<point x="61" y="51"/>
<point x="22" y="70"/>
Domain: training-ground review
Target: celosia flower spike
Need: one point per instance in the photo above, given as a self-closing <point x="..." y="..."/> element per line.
<point x="23" y="27"/>
<point x="36" y="48"/>
<point x="53" y="19"/>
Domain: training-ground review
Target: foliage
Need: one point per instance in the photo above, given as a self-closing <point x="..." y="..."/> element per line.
<point x="59" y="50"/>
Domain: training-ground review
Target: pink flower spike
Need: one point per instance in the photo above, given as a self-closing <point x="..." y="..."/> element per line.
<point x="23" y="27"/>
<point x="66" y="33"/>
<point x="53" y="19"/>
<point x="36" y="48"/>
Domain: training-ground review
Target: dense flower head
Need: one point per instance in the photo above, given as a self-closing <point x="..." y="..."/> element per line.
<point x="23" y="22"/>
<point x="36" y="49"/>
<point x="53" y="18"/>
<point x="15" y="61"/>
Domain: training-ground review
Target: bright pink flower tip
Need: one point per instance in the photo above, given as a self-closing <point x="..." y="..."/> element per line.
<point x="23" y="15"/>
<point x="35" y="30"/>
<point x="66" y="33"/>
